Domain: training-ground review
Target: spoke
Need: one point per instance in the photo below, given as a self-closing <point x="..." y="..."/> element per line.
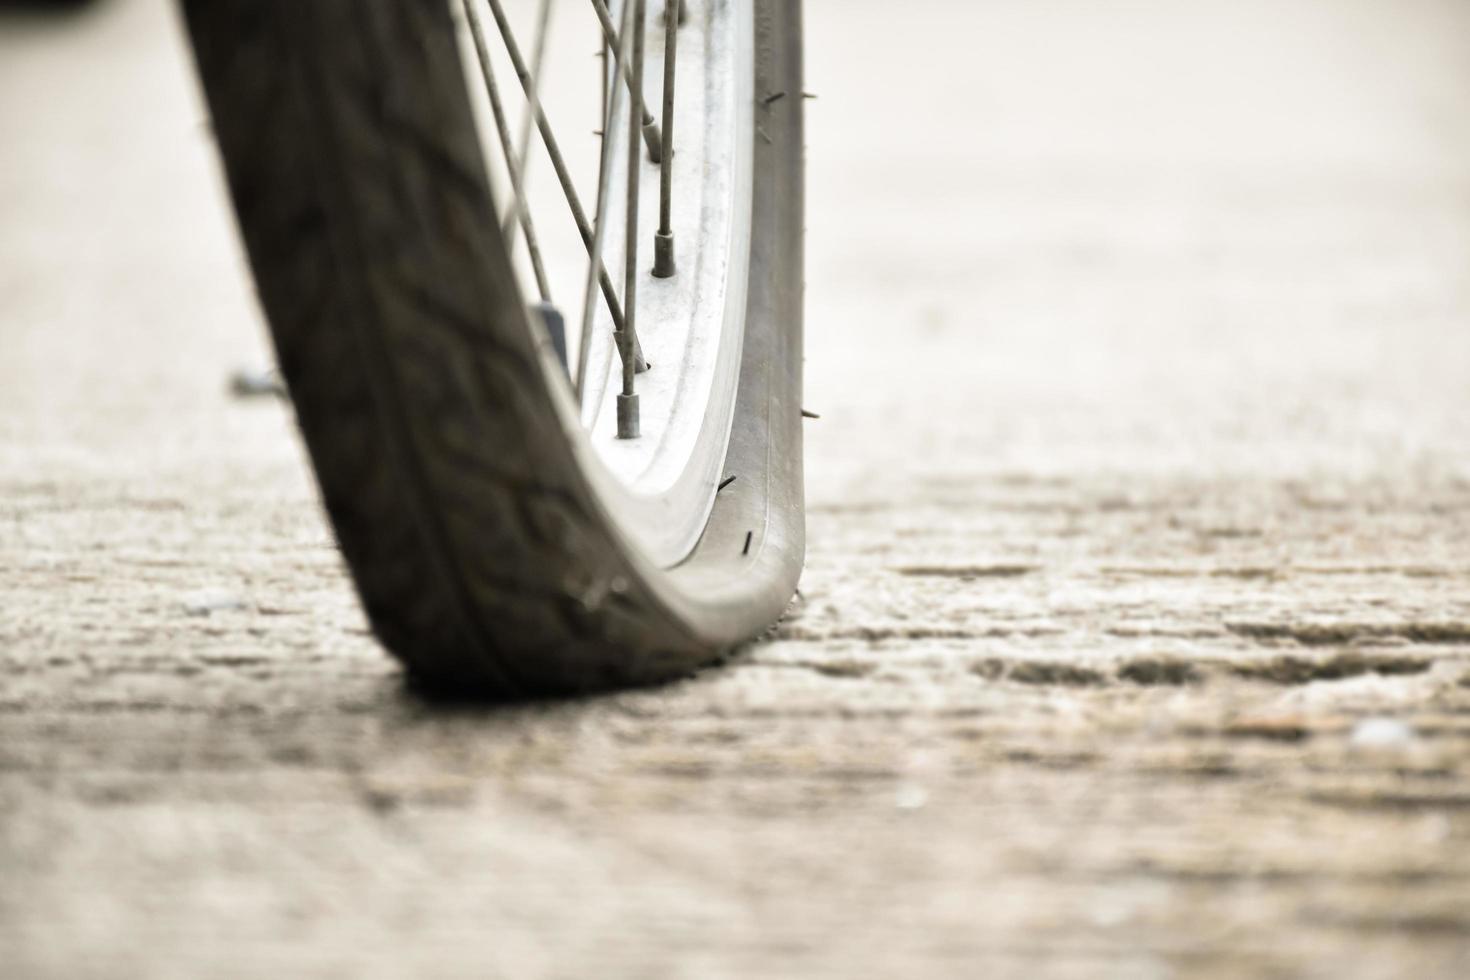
<point x="601" y="102"/>
<point x="663" y="239"/>
<point x="523" y="141"/>
<point x="612" y="106"/>
<point x="651" y="134"/>
<point x="628" y="336"/>
<point x="520" y="209"/>
<point x="553" y="150"/>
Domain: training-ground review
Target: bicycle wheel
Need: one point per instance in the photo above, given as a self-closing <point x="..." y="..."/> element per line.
<point x="503" y="534"/>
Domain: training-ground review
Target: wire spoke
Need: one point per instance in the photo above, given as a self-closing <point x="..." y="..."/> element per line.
<point x="520" y="210"/>
<point x="612" y="105"/>
<point x="528" y="116"/>
<point x="628" y="423"/>
<point x="651" y="134"/>
<point x="663" y="239"/>
<point x="558" y="163"/>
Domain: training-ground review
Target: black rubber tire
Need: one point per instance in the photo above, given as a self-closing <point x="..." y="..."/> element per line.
<point x="482" y="554"/>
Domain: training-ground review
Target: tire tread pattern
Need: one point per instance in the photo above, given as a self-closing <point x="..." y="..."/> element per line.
<point x="350" y="152"/>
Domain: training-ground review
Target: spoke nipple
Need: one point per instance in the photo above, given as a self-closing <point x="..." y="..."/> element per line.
<point x="654" y="138"/>
<point x="683" y="13"/>
<point x="724" y="483"/>
<point x="628" y="417"/>
<point x="809" y="415"/>
<point x="556" y="328"/>
<point x="663" y="254"/>
<point x="749" y="536"/>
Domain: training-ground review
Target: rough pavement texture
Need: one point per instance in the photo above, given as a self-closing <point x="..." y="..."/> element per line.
<point x="1135" y="636"/>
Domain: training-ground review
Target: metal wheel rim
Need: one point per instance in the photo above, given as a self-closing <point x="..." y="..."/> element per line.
<point x="660" y="487"/>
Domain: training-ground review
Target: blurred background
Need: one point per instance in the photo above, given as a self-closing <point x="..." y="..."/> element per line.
<point x="1139" y="335"/>
<point x="1174" y="211"/>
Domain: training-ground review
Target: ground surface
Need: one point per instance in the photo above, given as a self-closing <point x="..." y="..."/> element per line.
<point x="1135" y="637"/>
